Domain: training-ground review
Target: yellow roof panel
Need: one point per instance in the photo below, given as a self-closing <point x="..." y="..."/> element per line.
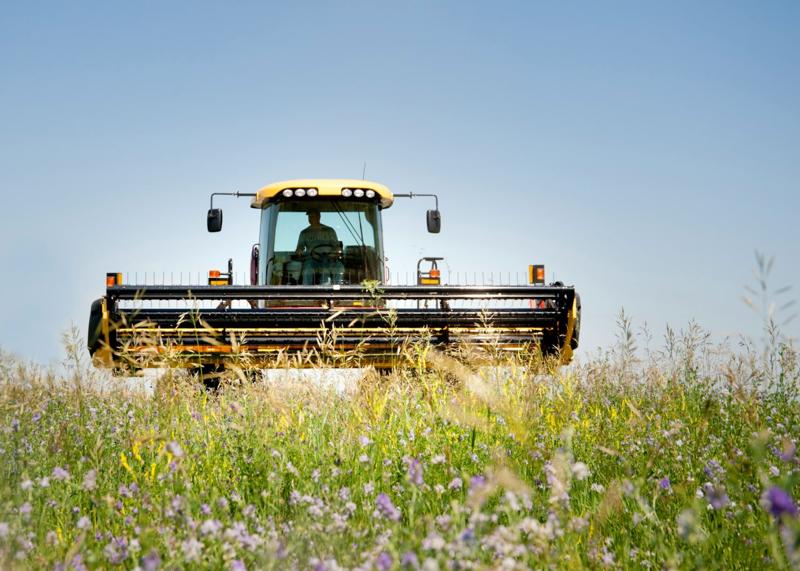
<point x="325" y="187"/>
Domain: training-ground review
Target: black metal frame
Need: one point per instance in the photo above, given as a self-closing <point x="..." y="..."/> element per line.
<point x="340" y="293"/>
<point x="321" y="309"/>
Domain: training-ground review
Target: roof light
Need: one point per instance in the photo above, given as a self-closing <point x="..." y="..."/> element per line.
<point x="347" y="192"/>
<point x="300" y="192"/>
<point x="358" y="193"/>
<point x="311" y="192"/>
<point x="288" y="192"/>
<point x="370" y="194"/>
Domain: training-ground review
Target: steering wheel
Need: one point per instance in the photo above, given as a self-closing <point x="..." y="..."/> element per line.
<point x="322" y="252"/>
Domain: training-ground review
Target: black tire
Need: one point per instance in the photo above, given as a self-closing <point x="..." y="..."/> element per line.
<point x="95" y="323"/>
<point x="210" y="376"/>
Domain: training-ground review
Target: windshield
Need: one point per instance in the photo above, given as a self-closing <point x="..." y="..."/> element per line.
<point x="321" y="242"/>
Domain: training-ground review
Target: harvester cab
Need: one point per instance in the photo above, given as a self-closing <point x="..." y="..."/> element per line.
<point x="318" y="278"/>
<point x="320" y="232"/>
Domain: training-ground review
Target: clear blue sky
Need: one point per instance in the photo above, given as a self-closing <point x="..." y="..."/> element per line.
<point x="642" y="151"/>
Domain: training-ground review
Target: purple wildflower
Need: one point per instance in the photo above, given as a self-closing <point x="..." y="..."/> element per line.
<point x="84" y="523"/>
<point x="238" y="565"/>
<point x="476" y="482"/>
<point x="116" y="551"/>
<point x="191" y="549"/>
<point x="415" y="471"/>
<point x="409" y="559"/>
<point x="383" y="562"/>
<point x="664" y="484"/>
<point x="175" y="449"/>
<point x="151" y="561"/>
<point x="779" y="503"/>
<point x="716" y="496"/>
<point x="455" y="484"/>
<point x="210" y="527"/>
<point x="60" y="473"/>
<point x="90" y="480"/>
<point x="713" y="469"/>
<point x="386" y="508"/>
<point x="205" y="509"/>
<point x="788" y="452"/>
<point x="77" y="563"/>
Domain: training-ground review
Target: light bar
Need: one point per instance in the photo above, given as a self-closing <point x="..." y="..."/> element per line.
<point x="311" y="192"/>
<point x="288" y="192"/>
<point x="347" y="193"/>
<point x="358" y="193"/>
<point x="300" y="192"/>
<point x="370" y="193"/>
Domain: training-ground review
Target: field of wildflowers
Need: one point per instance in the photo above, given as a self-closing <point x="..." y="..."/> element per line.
<point x="684" y="457"/>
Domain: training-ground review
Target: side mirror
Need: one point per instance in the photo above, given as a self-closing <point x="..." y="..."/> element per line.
<point x="434" y="220"/>
<point x="214" y="221"/>
<point x="254" y="255"/>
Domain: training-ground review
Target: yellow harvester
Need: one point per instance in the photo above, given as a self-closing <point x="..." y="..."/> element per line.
<point x="317" y="281"/>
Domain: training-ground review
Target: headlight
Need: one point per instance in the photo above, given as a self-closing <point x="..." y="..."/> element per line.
<point x="358" y="193"/>
<point x="370" y="194"/>
<point x="347" y="193"/>
<point x="311" y="192"/>
<point x="287" y="193"/>
<point x="300" y="192"/>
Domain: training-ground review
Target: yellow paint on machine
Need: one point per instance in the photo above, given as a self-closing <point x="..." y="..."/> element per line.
<point x="325" y="187"/>
<point x="566" y="349"/>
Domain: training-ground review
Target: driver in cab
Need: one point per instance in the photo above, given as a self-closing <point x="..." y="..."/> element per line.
<point x="319" y="245"/>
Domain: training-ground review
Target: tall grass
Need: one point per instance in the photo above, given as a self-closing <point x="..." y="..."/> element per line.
<point x="682" y="456"/>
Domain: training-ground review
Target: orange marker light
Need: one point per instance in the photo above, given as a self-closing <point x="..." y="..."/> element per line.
<point x="536" y="274"/>
<point x="113" y="279"/>
<point x="434" y="273"/>
<point x="213" y="273"/>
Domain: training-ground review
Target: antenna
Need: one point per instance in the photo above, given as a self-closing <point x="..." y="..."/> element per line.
<point x="364" y="171"/>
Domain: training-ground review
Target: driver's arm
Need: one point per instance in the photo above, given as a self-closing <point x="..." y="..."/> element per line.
<point x="334" y="239"/>
<point x="301" y="243"/>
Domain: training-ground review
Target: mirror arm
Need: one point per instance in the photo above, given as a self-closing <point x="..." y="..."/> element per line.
<point x="413" y="194"/>
<point x="236" y="194"/>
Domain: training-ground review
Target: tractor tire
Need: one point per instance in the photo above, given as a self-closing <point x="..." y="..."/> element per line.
<point x="210" y="376"/>
<point x="576" y="332"/>
<point x="95" y="320"/>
